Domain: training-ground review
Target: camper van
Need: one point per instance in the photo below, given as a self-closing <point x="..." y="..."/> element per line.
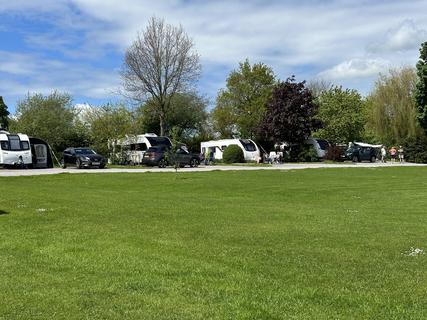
<point x="251" y="151"/>
<point x="131" y="149"/>
<point x="14" y="149"/>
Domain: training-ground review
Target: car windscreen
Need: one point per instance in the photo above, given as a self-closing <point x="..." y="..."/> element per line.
<point x="248" y="145"/>
<point x="84" y="151"/>
<point x="323" y="144"/>
<point x="157" y="141"/>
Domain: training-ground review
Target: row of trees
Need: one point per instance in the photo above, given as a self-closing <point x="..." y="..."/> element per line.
<point x="159" y="74"/>
<point x="55" y="119"/>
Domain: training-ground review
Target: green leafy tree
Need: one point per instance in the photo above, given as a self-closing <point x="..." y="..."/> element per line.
<point x="109" y="122"/>
<point x="291" y="113"/>
<point x="51" y="118"/>
<point x="241" y="105"/>
<point x="4" y="115"/>
<point x="341" y="114"/>
<point x="187" y="116"/>
<point x="391" y="111"/>
<point x="420" y="93"/>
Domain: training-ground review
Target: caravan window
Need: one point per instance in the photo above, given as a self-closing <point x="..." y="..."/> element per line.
<point x="248" y="145"/>
<point x="14" y="143"/>
<point x="25" y="145"/>
<point x="4" y="145"/>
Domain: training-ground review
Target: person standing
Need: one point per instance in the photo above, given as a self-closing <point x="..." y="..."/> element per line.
<point x="393" y="152"/>
<point x="401" y="154"/>
<point x="383" y="153"/>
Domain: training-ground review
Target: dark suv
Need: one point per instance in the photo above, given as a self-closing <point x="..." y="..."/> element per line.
<point x="358" y="153"/>
<point x="161" y="156"/>
<point x="82" y="157"/>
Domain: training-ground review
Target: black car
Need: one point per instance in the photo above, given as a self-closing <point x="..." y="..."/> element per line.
<point x="162" y="157"/>
<point x="358" y="153"/>
<point x="82" y="158"/>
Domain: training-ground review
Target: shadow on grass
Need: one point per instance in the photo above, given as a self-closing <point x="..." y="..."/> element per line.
<point x="2" y="212"/>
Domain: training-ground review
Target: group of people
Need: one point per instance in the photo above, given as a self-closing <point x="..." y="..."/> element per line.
<point x="394" y="153"/>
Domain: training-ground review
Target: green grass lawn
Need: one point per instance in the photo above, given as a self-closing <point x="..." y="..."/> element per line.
<point x="303" y="244"/>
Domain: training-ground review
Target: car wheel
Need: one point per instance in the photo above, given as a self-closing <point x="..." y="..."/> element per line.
<point x="162" y="163"/>
<point x="373" y="159"/>
<point x="78" y="164"/>
<point x="62" y="164"/>
<point x="194" y="163"/>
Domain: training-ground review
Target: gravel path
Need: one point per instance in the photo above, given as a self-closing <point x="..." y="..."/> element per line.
<point x="287" y="166"/>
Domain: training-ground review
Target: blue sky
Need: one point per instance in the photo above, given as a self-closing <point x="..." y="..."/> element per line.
<point x="77" y="46"/>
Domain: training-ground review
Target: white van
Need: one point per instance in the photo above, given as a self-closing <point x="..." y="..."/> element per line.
<point x="14" y="149"/>
<point x="133" y="147"/>
<point x="251" y="151"/>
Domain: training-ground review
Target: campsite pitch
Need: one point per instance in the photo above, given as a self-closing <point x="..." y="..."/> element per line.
<point x="344" y="243"/>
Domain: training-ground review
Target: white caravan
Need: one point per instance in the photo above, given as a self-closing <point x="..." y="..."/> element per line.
<point x="14" y="149"/>
<point x="250" y="150"/>
<point x="131" y="149"/>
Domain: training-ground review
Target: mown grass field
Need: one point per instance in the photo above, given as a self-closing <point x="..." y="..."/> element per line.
<point x="306" y="244"/>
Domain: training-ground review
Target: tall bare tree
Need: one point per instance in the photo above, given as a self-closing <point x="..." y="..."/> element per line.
<point x="161" y="62"/>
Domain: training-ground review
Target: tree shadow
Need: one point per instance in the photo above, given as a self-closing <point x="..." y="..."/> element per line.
<point x="2" y="212"/>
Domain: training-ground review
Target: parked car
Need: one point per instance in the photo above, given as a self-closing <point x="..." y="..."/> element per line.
<point x="82" y="158"/>
<point x="158" y="156"/>
<point x="362" y="152"/>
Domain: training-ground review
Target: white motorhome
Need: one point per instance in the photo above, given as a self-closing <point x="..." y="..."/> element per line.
<point x="14" y="149"/>
<point x="251" y="151"/>
<point x="131" y="148"/>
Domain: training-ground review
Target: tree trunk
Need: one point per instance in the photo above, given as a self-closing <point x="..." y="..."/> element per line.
<point x="162" y="125"/>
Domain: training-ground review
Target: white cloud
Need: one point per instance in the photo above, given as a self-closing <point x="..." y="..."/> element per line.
<point x="343" y="40"/>
<point x="355" y="68"/>
<point x="406" y="36"/>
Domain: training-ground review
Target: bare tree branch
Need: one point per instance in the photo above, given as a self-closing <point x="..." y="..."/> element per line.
<point x="160" y="63"/>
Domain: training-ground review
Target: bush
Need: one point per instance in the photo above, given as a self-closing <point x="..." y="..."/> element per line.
<point x="303" y="153"/>
<point x="415" y="150"/>
<point x="233" y="154"/>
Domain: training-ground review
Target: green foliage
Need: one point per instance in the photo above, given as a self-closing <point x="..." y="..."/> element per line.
<point x="420" y="93"/>
<point x="290" y="115"/>
<point x="109" y="122"/>
<point x="391" y="111"/>
<point x="4" y="115"/>
<point x="187" y="114"/>
<point x="341" y="114"/>
<point x="301" y="153"/>
<point x="416" y="150"/>
<point x="50" y="118"/>
<point x="240" y="106"/>
<point x="233" y="154"/>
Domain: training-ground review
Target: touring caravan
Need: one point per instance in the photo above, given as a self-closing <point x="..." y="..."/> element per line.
<point x="251" y="151"/>
<point x="14" y="149"/>
<point x="131" y="149"/>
